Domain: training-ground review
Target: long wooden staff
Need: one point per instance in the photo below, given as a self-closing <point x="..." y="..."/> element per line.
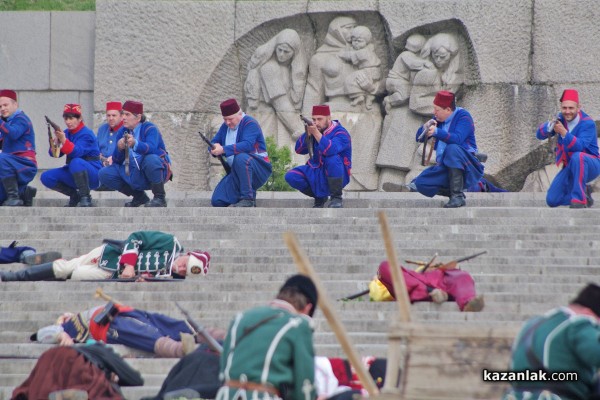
<point x="397" y="277"/>
<point x="304" y="267"/>
<point x="397" y="352"/>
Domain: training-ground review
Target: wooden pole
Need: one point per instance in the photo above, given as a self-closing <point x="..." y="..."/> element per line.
<point x="304" y="267"/>
<point x="397" y="277"/>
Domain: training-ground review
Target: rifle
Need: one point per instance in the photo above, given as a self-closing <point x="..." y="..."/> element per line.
<point x="426" y="126"/>
<point x="449" y="265"/>
<point x="54" y="148"/>
<point x="220" y="157"/>
<point x="126" y="161"/>
<point x="199" y="329"/>
<point x="309" y="138"/>
<point x="355" y="295"/>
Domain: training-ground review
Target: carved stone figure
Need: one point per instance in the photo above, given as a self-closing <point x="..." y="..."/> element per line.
<point x="328" y="70"/>
<point x="275" y="86"/>
<point x="368" y="63"/>
<point x="438" y="67"/>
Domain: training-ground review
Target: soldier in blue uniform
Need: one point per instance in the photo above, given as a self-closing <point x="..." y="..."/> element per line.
<point x="240" y="140"/>
<point x="18" y="164"/>
<point x="107" y="132"/>
<point x="80" y="173"/>
<point x="268" y="352"/>
<point x="329" y="169"/>
<point x="576" y="153"/>
<point x="457" y="166"/>
<point x="140" y="160"/>
<point x="143" y="254"/>
<point x="143" y="330"/>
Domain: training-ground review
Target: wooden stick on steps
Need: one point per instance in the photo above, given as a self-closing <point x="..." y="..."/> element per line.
<point x="305" y="268"/>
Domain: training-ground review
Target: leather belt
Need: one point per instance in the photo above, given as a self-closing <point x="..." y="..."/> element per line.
<point x="252" y="386"/>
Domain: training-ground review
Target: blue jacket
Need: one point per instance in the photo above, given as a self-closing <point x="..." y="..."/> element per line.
<point x="582" y="139"/>
<point x="335" y="141"/>
<point x="249" y="138"/>
<point x="17" y="135"/>
<point x="150" y="141"/>
<point x="81" y="143"/>
<point x="106" y="141"/>
<point x="461" y="131"/>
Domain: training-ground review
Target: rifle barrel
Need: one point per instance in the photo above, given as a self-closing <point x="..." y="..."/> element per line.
<point x="467" y="258"/>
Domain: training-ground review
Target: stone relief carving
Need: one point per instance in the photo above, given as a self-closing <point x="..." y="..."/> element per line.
<point x="345" y="73"/>
<point x="426" y="66"/>
<point x="274" y="87"/>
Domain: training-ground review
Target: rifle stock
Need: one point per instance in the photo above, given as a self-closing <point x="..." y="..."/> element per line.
<point x="309" y="138"/>
<point x="220" y="157"/>
<point x="54" y="148"/>
<point x="126" y="160"/>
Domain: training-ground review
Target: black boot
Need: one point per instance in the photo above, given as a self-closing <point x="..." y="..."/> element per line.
<point x="335" y="189"/>
<point x="159" y="200"/>
<point x="139" y="196"/>
<point x="457" y="197"/>
<point x="11" y="188"/>
<point x="319" y="201"/>
<point x="68" y="191"/>
<point x="83" y="188"/>
<point x="39" y="272"/>
<point x="28" y="195"/>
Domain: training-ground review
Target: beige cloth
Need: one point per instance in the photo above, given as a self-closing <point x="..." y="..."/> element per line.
<point x="81" y="268"/>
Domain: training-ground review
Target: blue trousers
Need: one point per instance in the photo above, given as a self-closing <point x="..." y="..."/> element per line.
<point x="248" y="173"/>
<point x="569" y="184"/>
<point x="152" y="169"/>
<point x="141" y="329"/>
<point x="305" y="176"/>
<point x="22" y="168"/>
<point x="65" y="173"/>
<point x="434" y="178"/>
<point x="10" y="255"/>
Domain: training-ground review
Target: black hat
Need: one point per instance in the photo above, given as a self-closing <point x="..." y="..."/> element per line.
<point x="589" y="297"/>
<point x="306" y="286"/>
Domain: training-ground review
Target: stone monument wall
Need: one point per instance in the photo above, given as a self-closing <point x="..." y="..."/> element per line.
<point x="508" y="60"/>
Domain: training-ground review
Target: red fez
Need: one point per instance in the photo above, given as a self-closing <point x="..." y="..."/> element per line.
<point x="570" y="95"/>
<point x="134" y="107"/>
<point x="322" y="110"/>
<point x="113" y="106"/>
<point x="229" y="107"/>
<point x="74" y="109"/>
<point x="444" y="99"/>
<point x="8" y="93"/>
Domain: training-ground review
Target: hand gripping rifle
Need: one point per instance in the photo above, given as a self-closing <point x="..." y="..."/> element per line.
<point x="309" y="138"/>
<point x="423" y="136"/>
<point x="199" y="330"/>
<point x="552" y="122"/>
<point x="54" y="148"/>
<point x="220" y="157"/>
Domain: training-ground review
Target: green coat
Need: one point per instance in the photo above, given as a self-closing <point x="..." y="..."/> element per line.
<point x="270" y="344"/>
<point x="563" y="342"/>
<point x="152" y="251"/>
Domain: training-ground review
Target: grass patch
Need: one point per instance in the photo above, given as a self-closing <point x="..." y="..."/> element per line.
<point x="47" y="5"/>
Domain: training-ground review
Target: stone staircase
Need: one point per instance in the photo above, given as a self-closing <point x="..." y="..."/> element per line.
<point x="536" y="258"/>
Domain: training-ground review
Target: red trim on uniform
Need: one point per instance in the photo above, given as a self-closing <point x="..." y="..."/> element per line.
<point x="116" y="128"/>
<point x="79" y="127"/>
<point x="67" y="147"/>
<point x="128" y="258"/>
<point x="99" y="332"/>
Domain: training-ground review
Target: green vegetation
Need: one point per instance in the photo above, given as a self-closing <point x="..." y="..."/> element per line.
<point x="281" y="160"/>
<point x="47" y="5"/>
